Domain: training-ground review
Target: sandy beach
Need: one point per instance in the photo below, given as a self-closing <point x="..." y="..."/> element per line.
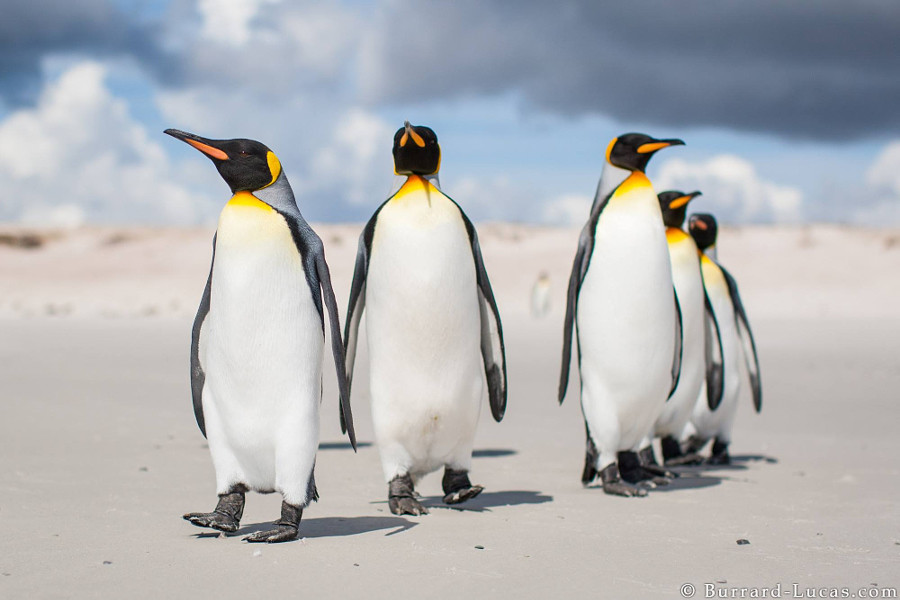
<point x="100" y="455"/>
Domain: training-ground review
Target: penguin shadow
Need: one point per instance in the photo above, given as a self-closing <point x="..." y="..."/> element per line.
<point x="493" y="452"/>
<point x="739" y="462"/>
<point x="688" y="480"/>
<point x="325" y="527"/>
<point x="485" y="501"/>
<point x="342" y="445"/>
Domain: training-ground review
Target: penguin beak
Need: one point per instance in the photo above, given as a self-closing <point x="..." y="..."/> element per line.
<point x="699" y="224"/>
<point x="682" y="200"/>
<point x="410" y="133"/>
<point x="204" y="145"/>
<point x="658" y="145"/>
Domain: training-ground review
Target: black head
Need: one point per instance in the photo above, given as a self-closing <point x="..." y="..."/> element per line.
<point x="416" y="151"/>
<point x="245" y="165"/>
<point x="703" y="228"/>
<point x="674" y="206"/>
<point x="632" y="151"/>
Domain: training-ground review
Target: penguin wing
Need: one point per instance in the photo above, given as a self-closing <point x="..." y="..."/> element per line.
<point x="579" y="268"/>
<point x="198" y="375"/>
<point x="493" y="349"/>
<point x="357" y="303"/>
<point x="679" y="346"/>
<point x="715" y="371"/>
<point x="312" y="253"/>
<point x="749" y="344"/>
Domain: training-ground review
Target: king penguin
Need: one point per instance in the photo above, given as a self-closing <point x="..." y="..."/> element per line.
<point x="621" y="302"/>
<point x="433" y="329"/>
<point x="701" y="361"/>
<point x="258" y="342"/>
<point x="711" y="419"/>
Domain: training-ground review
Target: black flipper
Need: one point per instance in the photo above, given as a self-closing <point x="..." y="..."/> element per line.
<point x="493" y="349"/>
<point x="198" y="376"/>
<point x="715" y="371"/>
<point x="312" y="251"/>
<point x="357" y="302"/>
<point x="679" y="346"/>
<point x="579" y="268"/>
<point x="749" y="344"/>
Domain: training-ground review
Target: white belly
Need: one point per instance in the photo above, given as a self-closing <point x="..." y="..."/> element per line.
<point x="718" y="423"/>
<point x="626" y="324"/>
<point x="261" y="348"/>
<point x="423" y="331"/>
<point x="689" y="286"/>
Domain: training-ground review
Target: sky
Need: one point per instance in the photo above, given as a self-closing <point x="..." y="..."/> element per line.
<point x="790" y="110"/>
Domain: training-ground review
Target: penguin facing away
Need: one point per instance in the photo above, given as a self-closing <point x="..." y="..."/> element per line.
<point x="258" y="342"/>
<point x="433" y="329"/>
<point x="702" y="355"/>
<point x="711" y="420"/>
<point x="622" y="304"/>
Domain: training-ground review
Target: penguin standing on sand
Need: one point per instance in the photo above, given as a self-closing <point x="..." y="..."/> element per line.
<point x="432" y="326"/>
<point x="701" y="359"/>
<point x="711" y="419"/>
<point x="622" y="304"/>
<point x="258" y="342"/>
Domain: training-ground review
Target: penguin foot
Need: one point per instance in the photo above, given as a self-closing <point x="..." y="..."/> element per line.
<point x="685" y="460"/>
<point x="460" y="496"/>
<point x="401" y="497"/>
<point x="648" y="463"/>
<point x="286" y="527"/>
<point x="407" y="506"/>
<point x="226" y="517"/>
<point x="457" y="487"/>
<point x="591" y="456"/>
<point x="720" y="454"/>
<point x="613" y="484"/>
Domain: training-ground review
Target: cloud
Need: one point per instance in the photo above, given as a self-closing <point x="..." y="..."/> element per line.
<point x="732" y="190"/>
<point x="819" y="72"/>
<point x="78" y="154"/>
<point x="879" y="202"/>
<point x="569" y="209"/>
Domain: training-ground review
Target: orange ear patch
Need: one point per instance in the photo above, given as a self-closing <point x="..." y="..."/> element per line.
<point x="206" y="149"/>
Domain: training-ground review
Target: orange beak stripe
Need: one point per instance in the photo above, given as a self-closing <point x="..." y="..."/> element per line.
<point x="206" y="149"/>
<point x="680" y="201"/>
<point x="652" y="147"/>
<point x="700" y="225"/>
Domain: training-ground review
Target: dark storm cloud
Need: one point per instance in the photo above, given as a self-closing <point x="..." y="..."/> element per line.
<point x="822" y="70"/>
<point x="33" y="29"/>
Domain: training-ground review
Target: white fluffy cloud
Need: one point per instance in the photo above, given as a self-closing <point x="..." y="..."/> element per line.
<point x="880" y="201"/>
<point x="78" y="154"/>
<point x="732" y="189"/>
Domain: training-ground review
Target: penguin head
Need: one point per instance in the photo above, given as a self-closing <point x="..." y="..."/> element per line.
<point x="674" y="207"/>
<point x="703" y="228"/>
<point x="416" y="151"/>
<point x="632" y="151"/>
<point x="245" y="165"/>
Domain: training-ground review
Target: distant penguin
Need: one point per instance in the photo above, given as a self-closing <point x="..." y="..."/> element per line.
<point x="701" y="361"/>
<point x="258" y="342"/>
<point x="709" y="419"/>
<point x="433" y="329"/>
<point x="540" y="296"/>
<point x="622" y="303"/>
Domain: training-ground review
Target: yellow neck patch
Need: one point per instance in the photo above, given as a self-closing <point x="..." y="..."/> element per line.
<point x="634" y="182"/>
<point x="247" y="200"/>
<point x="414" y="184"/>
<point x="675" y="235"/>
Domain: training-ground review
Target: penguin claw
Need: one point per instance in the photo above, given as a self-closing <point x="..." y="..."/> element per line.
<point x="284" y="533"/>
<point x="718" y="459"/>
<point x="213" y="520"/>
<point x="660" y="473"/>
<point x="462" y="495"/>
<point x="405" y="505"/>
<point x="620" y="488"/>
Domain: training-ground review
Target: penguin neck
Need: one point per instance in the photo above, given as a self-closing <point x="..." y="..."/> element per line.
<point x="611" y="178"/>
<point x="279" y="196"/>
<point x="401" y="180"/>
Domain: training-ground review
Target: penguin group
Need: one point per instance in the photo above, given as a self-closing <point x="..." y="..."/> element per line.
<point x="663" y="341"/>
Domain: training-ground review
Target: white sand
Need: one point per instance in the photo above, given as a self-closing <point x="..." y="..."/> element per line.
<point x="99" y="453"/>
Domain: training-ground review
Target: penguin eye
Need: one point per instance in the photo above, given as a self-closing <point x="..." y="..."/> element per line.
<point x="244" y="153"/>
